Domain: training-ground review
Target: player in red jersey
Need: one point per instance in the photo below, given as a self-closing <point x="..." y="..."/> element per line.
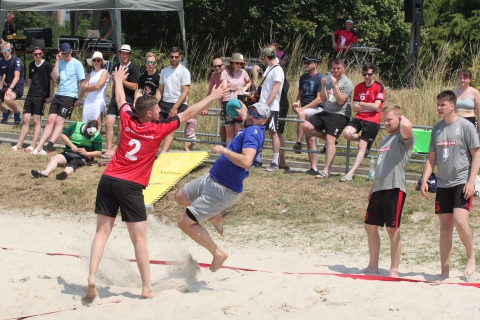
<point x="128" y="172"/>
<point x="367" y="102"/>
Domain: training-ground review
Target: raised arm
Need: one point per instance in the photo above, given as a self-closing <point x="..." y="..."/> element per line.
<point x="120" y="75"/>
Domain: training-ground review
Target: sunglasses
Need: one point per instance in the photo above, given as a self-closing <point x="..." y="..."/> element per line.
<point x="150" y="62"/>
<point x="255" y="115"/>
<point x="308" y="62"/>
<point x="66" y="52"/>
<point x="97" y="60"/>
<point x="239" y="63"/>
<point x="6" y="50"/>
<point x="367" y="74"/>
<point x="174" y="57"/>
<point x="38" y="54"/>
<point x="104" y="21"/>
<point x="217" y="66"/>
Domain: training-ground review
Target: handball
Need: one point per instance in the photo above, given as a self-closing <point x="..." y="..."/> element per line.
<point x="232" y="107"/>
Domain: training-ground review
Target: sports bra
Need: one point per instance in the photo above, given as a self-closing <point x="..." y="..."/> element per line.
<point x="465" y="104"/>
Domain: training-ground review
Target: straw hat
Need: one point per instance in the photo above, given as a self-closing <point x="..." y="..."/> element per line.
<point x="96" y="55"/>
<point x="237" y="57"/>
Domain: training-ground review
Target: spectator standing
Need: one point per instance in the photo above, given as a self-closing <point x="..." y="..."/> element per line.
<point x="71" y="74"/>
<point x="468" y="98"/>
<point x="174" y="87"/>
<point x="13" y="84"/>
<point x="307" y="104"/>
<point x="367" y="102"/>
<point x="8" y="28"/>
<point x="218" y="66"/>
<point x="343" y="39"/>
<point x="40" y="84"/>
<point x="336" y="115"/>
<point x="129" y="86"/>
<point x="105" y="27"/>
<point x="454" y="149"/>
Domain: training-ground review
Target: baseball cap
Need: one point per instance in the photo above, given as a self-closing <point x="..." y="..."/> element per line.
<point x="267" y="52"/>
<point x="262" y="109"/>
<point x="311" y="58"/>
<point x="125" y="48"/>
<point x="349" y="21"/>
<point x="64" y="47"/>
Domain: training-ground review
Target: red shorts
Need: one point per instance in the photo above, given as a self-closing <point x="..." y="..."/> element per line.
<point x="385" y="208"/>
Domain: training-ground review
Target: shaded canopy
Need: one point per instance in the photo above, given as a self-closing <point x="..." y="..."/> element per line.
<point x="113" y="6"/>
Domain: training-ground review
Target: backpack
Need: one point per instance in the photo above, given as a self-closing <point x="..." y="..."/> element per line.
<point x="431" y="182"/>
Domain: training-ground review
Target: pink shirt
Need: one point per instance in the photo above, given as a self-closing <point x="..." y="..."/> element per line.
<point x="215" y="82"/>
<point x="238" y="81"/>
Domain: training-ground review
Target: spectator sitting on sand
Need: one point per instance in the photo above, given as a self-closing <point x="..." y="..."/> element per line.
<point x="83" y="142"/>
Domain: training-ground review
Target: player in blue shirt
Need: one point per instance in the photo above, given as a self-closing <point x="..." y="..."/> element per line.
<point x="206" y="197"/>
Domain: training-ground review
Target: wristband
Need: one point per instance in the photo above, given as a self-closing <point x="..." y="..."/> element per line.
<point x="11" y="88"/>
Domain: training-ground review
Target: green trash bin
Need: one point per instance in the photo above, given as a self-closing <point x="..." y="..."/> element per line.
<point x="422" y="140"/>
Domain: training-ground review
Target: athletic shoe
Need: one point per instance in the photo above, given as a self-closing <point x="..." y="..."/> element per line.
<point x="311" y="172"/>
<point x="38" y="174"/>
<point x="257" y="164"/>
<point x="272" y="167"/>
<point x="324" y="149"/>
<point x="16" y="118"/>
<point x="61" y="176"/>
<point x="297" y="146"/>
<point x="6" y="115"/>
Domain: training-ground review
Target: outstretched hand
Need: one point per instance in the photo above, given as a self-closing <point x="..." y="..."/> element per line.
<point x="120" y="74"/>
<point x="219" y="92"/>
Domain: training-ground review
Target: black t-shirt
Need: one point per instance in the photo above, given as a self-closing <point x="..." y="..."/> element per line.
<point x="149" y="83"/>
<point x="40" y="76"/>
<point x="7" y="29"/>
<point x="132" y="77"/>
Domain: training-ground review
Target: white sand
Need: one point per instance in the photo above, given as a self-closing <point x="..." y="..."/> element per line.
<point x="33" y="283"/>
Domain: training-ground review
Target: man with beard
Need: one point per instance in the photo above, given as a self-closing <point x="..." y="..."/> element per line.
<point x="387" y="195"/>
<point x="206" y="197"/>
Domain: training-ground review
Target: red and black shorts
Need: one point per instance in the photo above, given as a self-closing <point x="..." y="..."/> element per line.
<point x="448" y="199"/>
<point x="115" y="193"/>
<point x="332" y="123"/>
<point x="385" y="208"/>
<point x="369" y="129"/>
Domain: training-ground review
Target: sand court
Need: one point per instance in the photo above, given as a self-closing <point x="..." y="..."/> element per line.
<point x="36" y="283"/>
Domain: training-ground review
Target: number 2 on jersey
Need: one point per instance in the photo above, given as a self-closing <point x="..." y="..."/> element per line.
<point x="130" y="154"/>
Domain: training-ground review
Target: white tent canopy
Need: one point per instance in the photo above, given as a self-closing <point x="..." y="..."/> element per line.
<point x="113" y="6"/>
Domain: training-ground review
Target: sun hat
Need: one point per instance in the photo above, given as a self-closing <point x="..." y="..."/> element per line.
<point x="96" y="55"/>
<point x="125" y="48"/>
<point x="237" y="57"/>
<point x="262" y="109"/>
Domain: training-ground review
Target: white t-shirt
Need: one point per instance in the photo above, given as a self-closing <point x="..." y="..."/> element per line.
<point x="173" y="80"/>
<point x="274" y="73"/>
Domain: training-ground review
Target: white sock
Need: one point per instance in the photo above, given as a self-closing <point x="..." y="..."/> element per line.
<point x="275" y="157"/>
<point x="259" y="157"/>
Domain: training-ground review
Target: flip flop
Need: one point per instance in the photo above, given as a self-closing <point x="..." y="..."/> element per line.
<point x="38" y="174"/>
<point x="14" y="148"/>
<point x="321" y="175"/>
<point x="28" y="149"/>
<point x="345" y="178"/>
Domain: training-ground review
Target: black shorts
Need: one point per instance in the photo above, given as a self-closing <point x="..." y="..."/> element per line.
<point x="369" y="129"/>
<point x="75" y="160"/>
<point x="448" y="199"/>
<point x="115" y="193"/>
<point x="272" y="122"/>
<point x="385" y="208"/>
<point x="165" y="108"/>
<point x="332" y="123"/>
<point x="112" y="109"/>
<point x="473" y="120"/>
<point x="227" y="119"/>
<point x="282" y="115"/>
<point x="34" y="105"/>
<point x="62" y="106"/>
<point x="17" y="93"/>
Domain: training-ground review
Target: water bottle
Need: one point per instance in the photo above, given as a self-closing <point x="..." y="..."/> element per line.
<point x="371" y="172"/>
<point x="232" y="94"/>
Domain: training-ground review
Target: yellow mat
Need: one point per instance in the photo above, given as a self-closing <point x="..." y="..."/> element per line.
<point x="167" y="170"/>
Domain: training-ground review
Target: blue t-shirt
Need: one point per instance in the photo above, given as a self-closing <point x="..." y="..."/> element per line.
<point x="70" y="74"/>
<point x="8" y="68"/>
<point x="310" y="86"/>
<point x="229" y="174"/>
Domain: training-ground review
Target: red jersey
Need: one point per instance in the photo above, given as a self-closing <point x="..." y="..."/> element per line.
<point x="345" y="38"/>
<point x="138" y="146"/>
<point x="366" y="94"/>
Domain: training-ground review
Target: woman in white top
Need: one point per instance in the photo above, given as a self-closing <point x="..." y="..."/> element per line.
<point x="468" y="98"/>
<point x="95" y="85"/>
<point x="236" y="79"/>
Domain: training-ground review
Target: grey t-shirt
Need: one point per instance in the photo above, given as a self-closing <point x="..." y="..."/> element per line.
<point x="393" y="155"/>
<point x="452" y="143"/>
<point x="331" y="105"/>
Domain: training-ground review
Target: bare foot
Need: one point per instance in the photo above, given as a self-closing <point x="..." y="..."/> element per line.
<point x="370" y="269"/>
<point x="217" y="223"/>
<point x="219" y="258"/>
<point x="147" y="293"/>
<point x="393" y="273"/>
<point x="91" y="292"/>
<point x="470" y="267"/>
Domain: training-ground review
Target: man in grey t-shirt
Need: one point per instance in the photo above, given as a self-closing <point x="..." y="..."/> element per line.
<point x="336" y="115"/>
<point x="388" y="192"/>
<point x="454" y="148"/>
